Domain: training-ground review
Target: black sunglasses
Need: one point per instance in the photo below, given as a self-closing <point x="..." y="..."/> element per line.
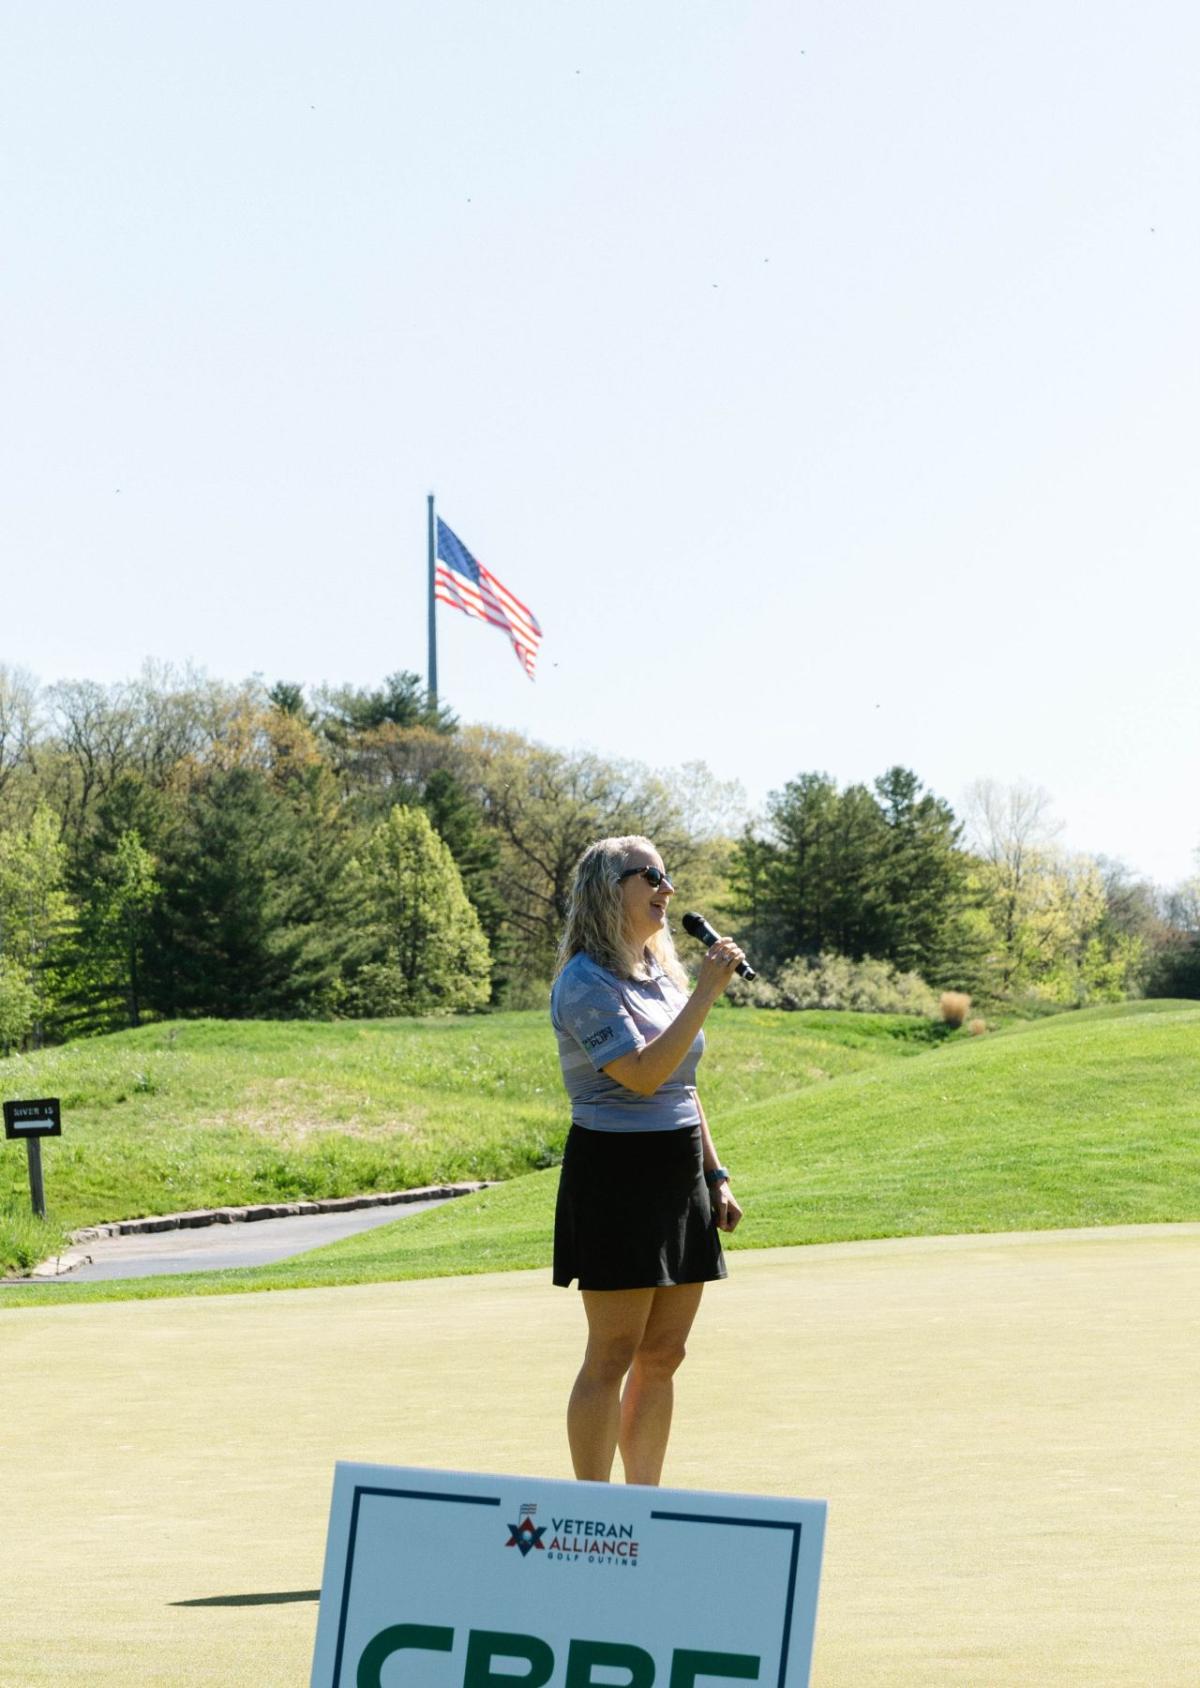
<point x="654" y="877"/>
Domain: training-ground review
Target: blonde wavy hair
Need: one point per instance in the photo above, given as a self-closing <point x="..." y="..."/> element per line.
<point x="595" y="917"/>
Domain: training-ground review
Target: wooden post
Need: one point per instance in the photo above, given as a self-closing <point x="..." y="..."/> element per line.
<point x="33" y="1146"/>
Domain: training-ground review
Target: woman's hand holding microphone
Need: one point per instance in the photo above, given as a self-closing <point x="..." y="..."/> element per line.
<point x="720" y="963"/>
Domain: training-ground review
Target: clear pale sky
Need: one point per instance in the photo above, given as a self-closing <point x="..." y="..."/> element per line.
<point x="825" y="377"/>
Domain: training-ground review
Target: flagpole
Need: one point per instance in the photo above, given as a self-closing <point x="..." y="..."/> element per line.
<point x="432" y="621"/>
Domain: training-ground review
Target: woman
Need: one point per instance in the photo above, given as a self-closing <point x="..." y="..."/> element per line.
<point x="642" y="1193"/>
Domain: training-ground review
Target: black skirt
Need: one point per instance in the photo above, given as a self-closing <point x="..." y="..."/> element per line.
<point x="633" y="1211"/>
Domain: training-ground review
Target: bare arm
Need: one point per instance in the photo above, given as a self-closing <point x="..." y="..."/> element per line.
<point x="648" y="1067"/>
<point x="726" y="1210"/>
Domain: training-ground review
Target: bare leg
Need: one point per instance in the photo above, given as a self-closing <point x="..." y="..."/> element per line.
<point x="616" y="1322"/>
<point x="649" y="1396"/>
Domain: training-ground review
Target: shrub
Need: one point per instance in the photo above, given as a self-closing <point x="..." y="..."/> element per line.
<point x="862" y="987"/>
<point x="955" y="1006"/>
<point x="751" y="993"/>
<point x="977" y="1028"/>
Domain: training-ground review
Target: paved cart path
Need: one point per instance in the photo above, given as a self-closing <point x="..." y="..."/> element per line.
<point x="1005" y="1429"/>
<point x="213" y="1247"/>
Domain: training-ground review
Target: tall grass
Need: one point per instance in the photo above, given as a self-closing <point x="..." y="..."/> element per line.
<point x="24" y="1239"/>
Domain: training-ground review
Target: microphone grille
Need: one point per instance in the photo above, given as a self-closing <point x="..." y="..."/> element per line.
<point x="696" y="926"/>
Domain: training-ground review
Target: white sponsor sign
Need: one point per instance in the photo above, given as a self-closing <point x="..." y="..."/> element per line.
<point x="452" y="1579"/>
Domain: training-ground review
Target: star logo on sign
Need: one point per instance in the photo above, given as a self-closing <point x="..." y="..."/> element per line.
<point x="527" y="1535"/>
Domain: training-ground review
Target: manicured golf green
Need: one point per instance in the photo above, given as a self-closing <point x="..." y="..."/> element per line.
<point x="1003" y="1426"/>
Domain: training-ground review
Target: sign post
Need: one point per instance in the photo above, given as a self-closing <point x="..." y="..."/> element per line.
<point x="33" y="1121"/>
<point x="453" y="1579"/>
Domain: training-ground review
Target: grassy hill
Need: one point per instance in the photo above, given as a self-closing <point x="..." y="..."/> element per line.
<point x="208" y="1113"/>
<point x="1084" y="1119"/>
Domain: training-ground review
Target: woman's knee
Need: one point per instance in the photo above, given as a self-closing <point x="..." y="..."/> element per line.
<point x="661" y="1356"/>
<point x="609" y="1358"/>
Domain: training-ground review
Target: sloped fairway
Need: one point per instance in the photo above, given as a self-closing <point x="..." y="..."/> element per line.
<point x="1087" y="1119"/>
<point x="214" y="1113"/>
<point x="204" y="1113"/>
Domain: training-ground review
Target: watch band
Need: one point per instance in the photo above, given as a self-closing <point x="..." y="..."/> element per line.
<point x="716" y="1175"/>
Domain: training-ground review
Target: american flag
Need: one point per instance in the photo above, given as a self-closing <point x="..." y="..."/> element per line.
<point x="466" y="585"/>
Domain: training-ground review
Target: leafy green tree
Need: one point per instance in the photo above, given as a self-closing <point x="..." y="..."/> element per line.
<point x="1012" y="832"/>
<point x="390" y="765"/>
<point x="36" y="916"/>
<point x="1047" y="940"/>
<point x="458" y="820"/>
<point x="1060" y="928"/>
<point x="119" y="920"/>
<point x="18" y="1005"/>
<point x="112" y="880"/>
<point x="427" y="950"/>
<point x="1132" y="931"/>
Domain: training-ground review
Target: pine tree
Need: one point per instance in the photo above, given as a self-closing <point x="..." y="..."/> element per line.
<point x="859" y="873"/>
<point x="233" y="934"/>
<point x="920" y="888"/>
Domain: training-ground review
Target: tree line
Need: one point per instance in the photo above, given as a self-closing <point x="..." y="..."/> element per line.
<point x="986" y="903"/>
<point x="177" y="846"/>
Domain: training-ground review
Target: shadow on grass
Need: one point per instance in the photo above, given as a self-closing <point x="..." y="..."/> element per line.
<point x="254" y="1599"/>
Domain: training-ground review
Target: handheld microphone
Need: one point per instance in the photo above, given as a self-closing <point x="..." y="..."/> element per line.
<point x="697" y="927"/>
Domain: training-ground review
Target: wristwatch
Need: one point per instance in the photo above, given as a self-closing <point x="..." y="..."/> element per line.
<point x="716" y="1175"/>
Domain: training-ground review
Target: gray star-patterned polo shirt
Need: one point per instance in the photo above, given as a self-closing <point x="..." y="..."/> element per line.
<point x="598" y="1018"/>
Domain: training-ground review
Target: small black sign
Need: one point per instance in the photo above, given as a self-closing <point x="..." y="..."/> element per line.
<point x="33" y="1119"/>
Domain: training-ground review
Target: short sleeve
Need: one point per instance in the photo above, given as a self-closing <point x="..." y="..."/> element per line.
<point x="588" y="1005"/>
